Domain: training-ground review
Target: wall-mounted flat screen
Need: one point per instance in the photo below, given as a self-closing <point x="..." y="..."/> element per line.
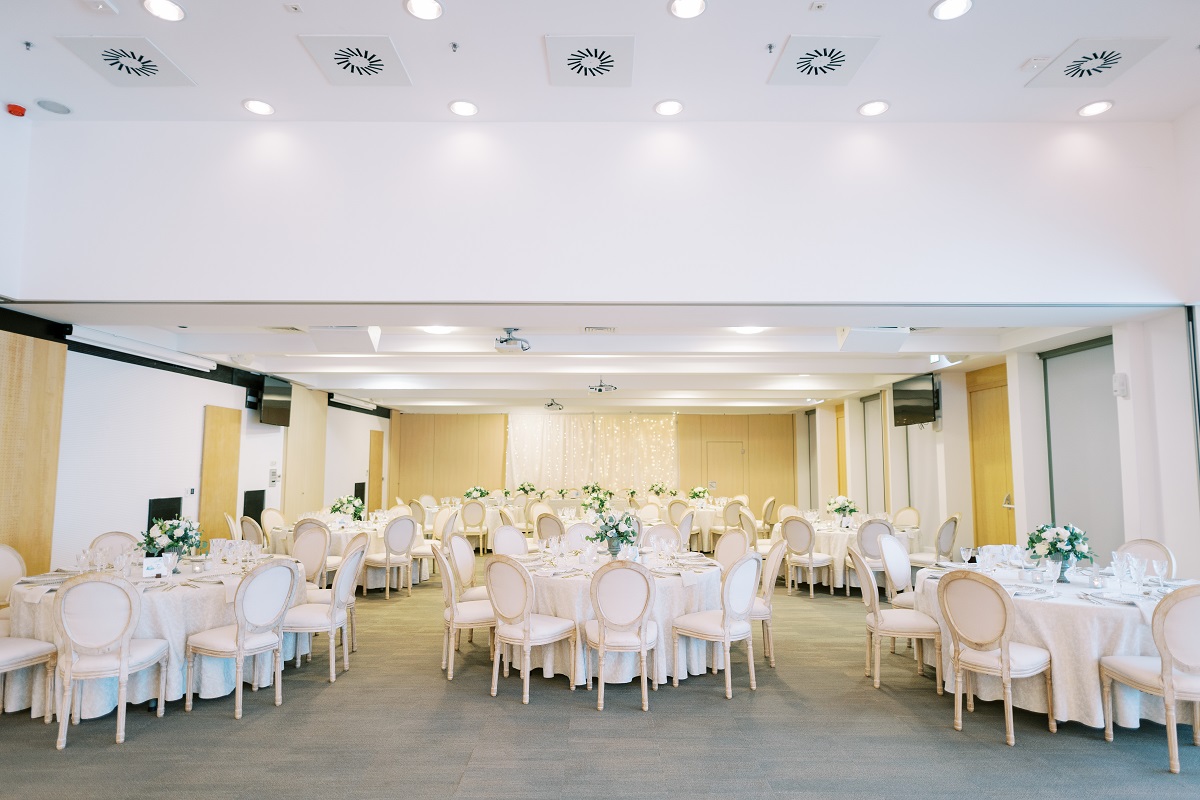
<point x="915" y="400"/>
<point x="275" y="408"/>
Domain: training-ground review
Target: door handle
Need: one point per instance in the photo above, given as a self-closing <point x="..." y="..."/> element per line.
<point x="1007" y="502"/>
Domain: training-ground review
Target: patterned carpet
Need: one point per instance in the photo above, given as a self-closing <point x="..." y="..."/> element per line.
<point x="393" y="726"/>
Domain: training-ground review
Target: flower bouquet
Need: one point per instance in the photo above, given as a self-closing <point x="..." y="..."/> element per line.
<point x="632" y="493"/>
<point x="591" y="488"/>
<point x="178" y="535"/>
<point x="658" y="489"/>
<point x="475" y="493"/>
<point x="1064" y="543"/>
<point x="616" y="530"/>
<point x="526" y="488"/>
<point x="842" y="507"/>
<point x="698" y="493"/>
<point x="562" y="493"/>
<point x="349" y="505"/>
<point x="597" y="501"/>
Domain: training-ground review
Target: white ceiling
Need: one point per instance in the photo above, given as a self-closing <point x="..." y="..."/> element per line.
<point x="718" y="64"/>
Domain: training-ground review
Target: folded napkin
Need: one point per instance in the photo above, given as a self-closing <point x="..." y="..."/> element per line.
<point x="34" y="592"/>
<point x="691" y="577"/>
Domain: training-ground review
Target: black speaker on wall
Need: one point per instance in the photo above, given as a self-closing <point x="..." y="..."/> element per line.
<point x="163" y="508"/>
<point x="253" y="503"/>
<point x="360" y="491"/>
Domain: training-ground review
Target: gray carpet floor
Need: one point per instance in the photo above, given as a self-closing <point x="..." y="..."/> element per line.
<point x="394" y="727"/>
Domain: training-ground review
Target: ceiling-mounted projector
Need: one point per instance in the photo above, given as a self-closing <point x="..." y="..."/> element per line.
<point x="602" y="387"/>
<point x="511" y="344"/>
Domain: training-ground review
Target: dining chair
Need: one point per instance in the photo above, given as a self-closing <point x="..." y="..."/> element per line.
<point x="448" y="527"/>
<point x="906" y="623"/>
<point x="730" y="623"/>
<point x="398" y="539"/>
<point x="400" y="510"/>
<point x="786" y="510"/>
<point x="730" y="519"/>
<point x="577" y="535"/>
<point x="259" y="605"/>
<point x="730" y="547"/>
<point x="417" y="512"/>
<point x="549" y="526"/>
<point x="506" y="516"/>
<point x="235" y="532"/>
<point x="622" y="599"/>
<point x="1150" y="550"/>
<point x="473" y="513"/>
<point x="763" y="609"/>
<point x="95" y="615"/>
<point x="507" y="540"/>
<point x="1173" y="675"/>
<point x="979" y="615"/>
<point x="310" y="546"/>
<point x="943" y="544"/>
<point x="867" y="540"/>
<point x="531" y="514"/>
<point x="767" y="521"/>
<point x="744" y="499"/>
<point x="329" y="618"/>
<point x="19" y="653"/>
<point x="511" y="591"/>
<point x="648" y="513"/>
<point x="676" y="508"/>
<point x="252" y="532"/>
<point x="428" y="501"/>
<point x="459" y="615"/>
<point x="898" y="571"/>
<point x="689" y="534"/>
<point x="271" y="519"/>
<point x="907" y="517"/>
<point x="12" y="569"/>
<point x="462" y="556"/>
<point x="801" y="540"/>
<point x="118" y="541"/>
<point x="661" y="532"/>
<point x="748" y="523"/>
<point x="440" y="518"/>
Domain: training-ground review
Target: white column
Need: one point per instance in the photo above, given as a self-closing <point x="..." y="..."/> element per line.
<point x="800" y="426"/>
<point x="954" y="455"/>
<point x="1027" y="432"/>
<point x="856" y="459"/>
<point x="897" y="466"/>
<point x="827" y="476"/>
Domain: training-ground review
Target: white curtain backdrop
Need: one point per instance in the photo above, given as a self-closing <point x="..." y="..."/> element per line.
<point x="618" y="451"/>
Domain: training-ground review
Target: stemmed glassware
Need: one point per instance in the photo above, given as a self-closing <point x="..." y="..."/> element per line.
<point x="965" y="553"/>
<point x="1159" y="567"/>
<point x="1137" y="568"/>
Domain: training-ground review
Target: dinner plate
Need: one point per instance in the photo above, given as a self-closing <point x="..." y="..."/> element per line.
<point x="1115" y="597"/>
<point x="1030" y="591"/>
<point x="667" y="571"/>
<point x="48" y="578"/>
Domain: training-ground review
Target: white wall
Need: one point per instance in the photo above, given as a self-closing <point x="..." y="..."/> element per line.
<point x="1187" y="153"/>
<point x="939" y="464"/>
<point x="132" y="433"/>
<point x="348" y="451"/>
<point x="261" y="452"/>
<point x="1027" y="434"/>
<point x="803" y="467"/>
<point x="15" y="139"/>
<point x="1073" y="212"/>
<point x="873" y="440"/>
<point x="827" y="471"/>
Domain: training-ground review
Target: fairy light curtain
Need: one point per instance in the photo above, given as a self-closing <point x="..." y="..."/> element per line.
<point x="619" y="451"/>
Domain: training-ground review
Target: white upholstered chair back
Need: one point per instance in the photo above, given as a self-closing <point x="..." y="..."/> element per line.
<point x="685" y="525"/>
<point x="270" y="519"/>
<point x="251" y="531"/>
<point x="739" y="585"/>
<point x="428" y="501"/>
<point x="462" y="555"/>
<point x="263" y="597"/>
<point x="448" y="525"/>
<point x="895" y="562"/>
<point x="730" y="547"/>
<point x="786" y="511"/>
<point x="507" y="540"/>
<point x="1150" y="550"/>
<point x="95" y="614"/>
<point x="977" y="611"/>
<point x="346" y="578"/>
<point x="473" y="513"/>
<point x="577" y="535"/>
<point x="235" y="532"/>
<point x="945" y="537"/>
<point x="747" y="522"/>
<point x="1174" y="625"/>
<point x="118" y="541"/>
<point x="870" y="589"/>
<point x="744" y="499"/>
<point x="622" y="597"/>
<point x="417" y="512"/>
<point x="506" y="516"/>
<point x="649" y="513"/>
<point x="770" y="571"/>
<point x="907" y="517"/>
<point x="510" y="588"/>
<point x="449" y="584"/>
<point x="675" y="510"/>
<point x="799" y="535"/>
<point x="439" y="520"/>
<point x="549" y="526"/>
<point x="12" y="569"/>
<point x="661" y="533"/>
<point x="768" y="511"/>
<point x="868" y="536"/>
<point x="400" y="535"/>
<point x="732" y="513"/>
<point x="310" y="546"/>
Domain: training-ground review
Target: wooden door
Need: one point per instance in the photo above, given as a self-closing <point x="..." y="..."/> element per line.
<point x="219" y="470"/>
<point x="991" y="455"/>
<point x="375" y="473"/>
<point x="726" y="462"/>
<point x="840" y="412"/>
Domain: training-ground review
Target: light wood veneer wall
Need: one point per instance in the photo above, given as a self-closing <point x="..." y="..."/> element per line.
<point x="768" y="442"/>
<point x="304" y="454"/>
<point x="219" y="470"/>
<point x="31" y="397"/>
<point x="445" y="454"/>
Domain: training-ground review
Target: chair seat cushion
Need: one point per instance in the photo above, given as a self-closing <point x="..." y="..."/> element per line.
<point x="142" y="653"/>
<point x="923" y="559"/>
<point x="471" y="612"/>
<point x="542" y="629"/>
<point x="760" y="610"/>
<point x="873" y="564"/>
<point x="707" y="625"/>
<point x="905" y="600"/>
<point x="324" y="596"/>
<point x="763" y="546"/>
<point x="904" y="621"/>
<point x="1025" y="659"/>
<point x="591" y="629"/>
<point x="224" y="639"/>
<point x="422" y="549"/>
<point x="381" y="560"/>
<point x="312" y="616"/>
<point x="312" y="587"/>
<point x="1147" y="671"/>
<point x="14" y="651"/>
<point x="474" y="593"/>
<point x="333" y="562"/>
<point x="817" y="560"/>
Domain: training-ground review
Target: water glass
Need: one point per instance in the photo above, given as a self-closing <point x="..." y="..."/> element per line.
<point x="965" y="553"/>
<point x="1159" y="567"/>
<point x="1052" y="568"/>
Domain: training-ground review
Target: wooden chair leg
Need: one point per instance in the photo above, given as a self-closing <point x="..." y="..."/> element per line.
<point x="51" y="668"/>
<point x="1106" y="682"/>
<point x="332" y="656"/>
<point x="867" y="663"/>
<point x="277" y="655"/>
<point x="680" y="663"/>
<point x="237" y="687"/>
<point x="1050" y="702"/>
<point x="187" y="676"/>
<point x="958" y="696"/>
<point x="750" y="662"/>
<point x="937" y="664"/>
<point x="64" y="713"/>
<point x="496" y="665"/>
<point x="445" y="643"/>
<point x="645" y="690"/>
<point x="346" y="646"/>
<point x="1010" y="738"/>
<point x="877" y="645"/>
<point x="1172" y="735"/>
<point x="525" y="675"/>
<point x="451" y="651"/>
<point x="122" y="692"/>
<point x="728" y="674"/>
<point x="600" y="679"/>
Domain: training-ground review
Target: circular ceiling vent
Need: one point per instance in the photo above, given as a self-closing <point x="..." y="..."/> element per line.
<point x="358" y="61"/>
<point x="1093" y="64"/>
<point x="128" y="61"/>
<point x="590" y="61"/>
<point x="821" y="61"/>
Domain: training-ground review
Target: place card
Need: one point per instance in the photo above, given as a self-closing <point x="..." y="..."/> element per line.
<point x="152" y="567"/>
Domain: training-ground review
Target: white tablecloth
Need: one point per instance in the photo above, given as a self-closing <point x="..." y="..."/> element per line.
<point x="1077" y="633"/>
<point x="281" y="542"/>
<point x="837" y="542"/>
<point x="172" y="615"/>
<point x="570" y="597"/>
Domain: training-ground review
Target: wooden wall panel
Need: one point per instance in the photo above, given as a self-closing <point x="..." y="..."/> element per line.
<point x="691" y="450"/>
<point x="219" y="470"/>
<point x="392" y="490"/>
<point x="445" y="454"/>
<point x="31" y="394"/>
<point x="771" y="458"/>
<point x="840" y="411"/>
<point x="493" y="439"/>
<point x="304" y="454"/>
<point x="415" y="447"/>
<point x="375" y="500"/>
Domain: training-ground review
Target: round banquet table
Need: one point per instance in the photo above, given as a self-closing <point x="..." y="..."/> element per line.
<point x="340" y="536"/>
<point x="838" y="542"/>
<point x="1077" y="632"/>
<point x="171" y="615"/>
<point x="570" y="597"/>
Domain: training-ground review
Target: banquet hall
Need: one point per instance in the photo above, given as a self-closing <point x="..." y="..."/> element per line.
<point x="928" y="268"/>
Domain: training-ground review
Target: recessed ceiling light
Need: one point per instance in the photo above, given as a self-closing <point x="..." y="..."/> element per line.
<point x="950" y="9"/>
<point x="438" y="329"/>
<point x="164" y="9"/>
<point x="464" y="108"/>
<point x="686" y="9"/>
<point x="874" y="108"/>
<point x="259" y="107"/>
<point x="747" y="329"/>
<point x="668" y="108"/>
<point x="53" y="107"/>
<point x="424" y="9"/>
<point x="1090" y="110"/>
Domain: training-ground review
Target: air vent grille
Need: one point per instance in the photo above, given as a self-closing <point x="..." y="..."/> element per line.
<point x="598" y="329"/>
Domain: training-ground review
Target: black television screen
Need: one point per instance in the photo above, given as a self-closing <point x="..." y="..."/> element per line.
<point x="915" y="400"/>
<point x="275" y="408"/>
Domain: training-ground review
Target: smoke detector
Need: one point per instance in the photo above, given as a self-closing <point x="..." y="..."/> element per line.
<point x="602" y="387"/>
<point x="511" y="344"/>
<point x="554" y="405"/>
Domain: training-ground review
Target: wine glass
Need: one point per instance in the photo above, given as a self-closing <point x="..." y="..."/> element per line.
<point x="169" y="560"/>
<point x="965" y="553"/>
<point x="1159" y="567"/>
<point x="1137" y="567"/>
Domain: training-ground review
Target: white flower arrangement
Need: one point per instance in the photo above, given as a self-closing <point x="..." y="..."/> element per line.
<point x="349" y="504"/>
<point x="526" y="488"/>
<point x="631" y="493"/>
<point x="170" y="534"/>
<point x="562" y="493"/>
<point x="592" y="488"/>
<point x="1064" y="540"/>
<point x="698" y="493"/>
<point x="475" y="493"/>
<point x="841" y="506"/>
<point x="615" y="527"/>
<point x="658" y="489"/>
<point x="597" y="500"/>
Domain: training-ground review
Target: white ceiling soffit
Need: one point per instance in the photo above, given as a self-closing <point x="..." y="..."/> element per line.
<point x="1093" y="62"/>
<point x="590" y="60"/>
<point x="127" y="60"/>
<point x="345" y="339"/>
<point x="821" y="60"/>
<point x="357" y="60"/>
